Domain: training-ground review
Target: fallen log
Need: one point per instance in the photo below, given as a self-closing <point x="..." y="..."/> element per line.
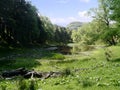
<point x="17" y="72"/>
<point x="30" y="74"/>
<point x="46" y="74"/>
<point x="1" y="77"/>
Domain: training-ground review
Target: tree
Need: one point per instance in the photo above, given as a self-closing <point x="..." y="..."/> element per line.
<point x="19" y="23"/>
<point x="25" y="15"/>
<point x="86" y="34"/>
<point x="61" y="36"/>
<point x="47" y="33"/>
<point x="115" y="9"/>
<point x="102" y="15"/>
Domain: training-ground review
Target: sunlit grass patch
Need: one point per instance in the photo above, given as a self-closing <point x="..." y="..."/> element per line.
<point x="53" y="56"/>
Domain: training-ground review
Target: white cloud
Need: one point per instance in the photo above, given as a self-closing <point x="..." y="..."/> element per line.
<point x="86" y="1"/>
<point x="63" y="21"/>
<point x="81" y="16"/>
<point x="57" y="20"/>
<point x="66" y="21"/>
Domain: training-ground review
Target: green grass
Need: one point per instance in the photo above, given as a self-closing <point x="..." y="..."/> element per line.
<point x="53" y="56"/>
<point x="83" y="71"/>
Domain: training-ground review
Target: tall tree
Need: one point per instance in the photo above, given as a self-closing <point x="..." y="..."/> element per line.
<point x="87" y="34"/>
<point x="102" y="15"/>
<point x="47" y="33"/>
<point x="114" y="6"/>
<point x="19" y="22"/>
<point x="61" y="36"/>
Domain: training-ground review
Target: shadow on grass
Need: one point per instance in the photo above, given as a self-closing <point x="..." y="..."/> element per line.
<point x="66" y="61"/>
<point x="28" y="58"/>
<point x="18" y="63"/>
<point x="116" y="60"/>
<point x="5" y="51"/>
<point x="12" y="58"/>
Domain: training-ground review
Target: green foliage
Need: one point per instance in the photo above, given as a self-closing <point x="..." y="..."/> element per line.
<point x="67" y="72"/>
<point x="54" y="56"/>
<point x="61" y="35"/>
<point x="3" y="87"/>
<point x="86" y="83"/>
<point x="103" y="16"/>
<point x="18" y="20"/>
<point x="114" y="16"/>
<point x="108" y="54"/>
<point x="58" y="56"/>
<point x="27" y="85"/>
<point x="82" y="48"/>
<point x="86" y="34"/>
<point x="33" y="85"/>
<point x="22" y="85"/>
<point x="21" y="25"/>
<point x="46" y="33"/>
<point x="114" y="7"/>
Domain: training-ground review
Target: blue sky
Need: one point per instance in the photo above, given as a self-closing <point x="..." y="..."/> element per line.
<point x="62" y="12"/>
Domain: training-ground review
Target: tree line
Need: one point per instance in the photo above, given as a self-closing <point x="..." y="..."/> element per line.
<point x="20" y="24"/>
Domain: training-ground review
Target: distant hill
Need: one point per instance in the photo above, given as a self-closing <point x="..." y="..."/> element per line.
<point x="74" y="25"/>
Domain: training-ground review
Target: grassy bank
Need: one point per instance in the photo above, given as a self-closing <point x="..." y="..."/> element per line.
<point x="87" y="70"/>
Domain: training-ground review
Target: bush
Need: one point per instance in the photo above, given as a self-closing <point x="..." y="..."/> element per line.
<point x="67" y="72"/>
<point x="58" y="56"/>
<point x="85" y="82"/>
<point x="54" y="56"/>
<point x="82" y="47"/>
<point x="22" y="85"/>
<point x="33" y="85"/>
<point x="3" y="87"/>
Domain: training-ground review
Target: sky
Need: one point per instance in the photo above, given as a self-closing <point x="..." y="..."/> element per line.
<point x="63" y="12"/>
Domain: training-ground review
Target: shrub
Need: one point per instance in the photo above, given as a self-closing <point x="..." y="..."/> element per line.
<point x="58" y="56"/>
<point x="67" y="72"/>
<point x="86" y="82"/>
<point x="3" y="87"/>
<point x="22" y="85"/>
<point x="33" y="85"/>
<point x="54" y="56"/>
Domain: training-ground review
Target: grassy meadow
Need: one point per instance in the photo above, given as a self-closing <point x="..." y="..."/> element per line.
<point x="86" y="70"/>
